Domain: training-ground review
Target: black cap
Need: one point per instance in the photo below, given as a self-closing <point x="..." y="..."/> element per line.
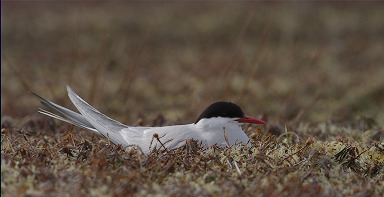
<point x="222" y="109"/>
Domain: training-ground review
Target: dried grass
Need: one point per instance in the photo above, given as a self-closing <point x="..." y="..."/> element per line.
<point x="68" y="163"/>
<point x="313" y="70"/>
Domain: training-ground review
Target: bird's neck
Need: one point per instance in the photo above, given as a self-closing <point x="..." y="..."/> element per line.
<point x="217" y="124"/>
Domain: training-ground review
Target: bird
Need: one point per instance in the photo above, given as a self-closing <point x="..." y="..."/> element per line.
<point x="220" y="124"/>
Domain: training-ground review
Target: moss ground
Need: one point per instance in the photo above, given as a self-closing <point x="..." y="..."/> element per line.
<point x="312" y="70"/>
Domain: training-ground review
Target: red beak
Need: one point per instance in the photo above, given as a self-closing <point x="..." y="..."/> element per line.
<point x="249" y="119"/>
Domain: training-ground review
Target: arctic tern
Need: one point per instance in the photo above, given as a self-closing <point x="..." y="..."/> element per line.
<point x="219" y="118"/>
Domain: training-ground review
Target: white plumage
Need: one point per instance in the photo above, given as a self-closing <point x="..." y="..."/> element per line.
<point x="209" y="130"/>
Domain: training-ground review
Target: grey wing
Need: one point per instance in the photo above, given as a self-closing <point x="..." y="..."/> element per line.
<point x="108" y="127"/>
<point x="69" y="116"/>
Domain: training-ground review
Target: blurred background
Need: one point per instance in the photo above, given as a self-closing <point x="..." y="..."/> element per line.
<point x="280" y="61"/>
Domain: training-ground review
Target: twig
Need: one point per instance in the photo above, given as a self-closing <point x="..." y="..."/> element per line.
<point x="225" y="137"/>
<point x="229" y="163"/>
<point x="364" y="151"/>
<point x="237" y="167"/>
<point x="155" y="135"/>
<point x="307" y="143"/>
<point x="29" y="144"/>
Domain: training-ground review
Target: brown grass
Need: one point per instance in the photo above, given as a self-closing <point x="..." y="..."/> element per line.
<point x="312" y="70"/>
